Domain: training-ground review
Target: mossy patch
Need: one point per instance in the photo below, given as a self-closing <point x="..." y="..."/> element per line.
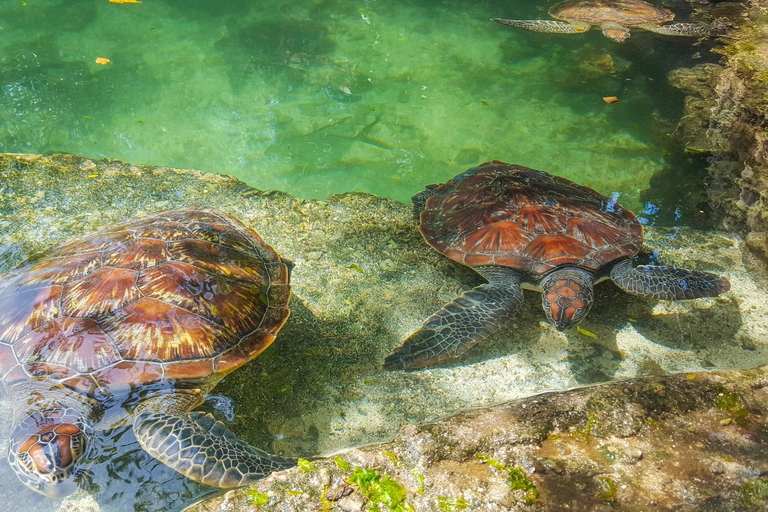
<point x="258" y="498"/>
<point x="446" y="504"/>
<point x="516" y="477"/>
<point x="754" y="494"/>
<point x="380" y="490"/>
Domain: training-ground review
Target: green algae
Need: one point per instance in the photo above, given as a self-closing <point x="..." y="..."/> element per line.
<point x="753" y="494"/>
<point x="516" y="477"/>
<point x="258" y="498"/>
<point x="732" y="404"/>
<point x="341" y="463"/>
<point x="305" y="466"/>
<point x="379" y="490"/>
<point x="392" y="456"/>
<point x="586" y="432"/>
<point x="419" y="480"/>
<point x="607" y="488"/>
<point x="446" y="504"/>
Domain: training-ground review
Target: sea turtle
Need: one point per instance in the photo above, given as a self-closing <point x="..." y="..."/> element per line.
<point x="136" y="323"/>
<point x="614" y="17"/>
<point x="522" y="228"/>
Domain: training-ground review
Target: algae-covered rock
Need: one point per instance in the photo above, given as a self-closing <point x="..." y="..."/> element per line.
<point x="725" y="114"/>
<point x="685" y="442"/>
<point x="363" y="280"/>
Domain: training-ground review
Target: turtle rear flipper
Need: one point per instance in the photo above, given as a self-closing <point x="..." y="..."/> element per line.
<point x="667" y="283"/>
<point x="462" y="323"/>
<point x="548" y="26"/>
<point x="203" y="449"/>
<point x="683" y="29"/>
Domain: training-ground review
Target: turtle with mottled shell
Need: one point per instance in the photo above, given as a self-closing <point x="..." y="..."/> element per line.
<point x="521" y="228"/>
<point x="614" y="17"/>
<point x="135" y="324"/>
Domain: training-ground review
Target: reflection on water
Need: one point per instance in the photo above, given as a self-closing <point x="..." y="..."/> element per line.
<point x="326" y="96"/>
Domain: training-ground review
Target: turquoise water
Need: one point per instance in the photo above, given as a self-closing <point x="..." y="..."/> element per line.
<point x="321" y="97"/>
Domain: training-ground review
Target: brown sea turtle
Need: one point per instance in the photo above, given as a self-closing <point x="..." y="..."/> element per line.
<point x="522" y="228"/>
<point x="137" y="323"/>
<point x="614" y="17"/>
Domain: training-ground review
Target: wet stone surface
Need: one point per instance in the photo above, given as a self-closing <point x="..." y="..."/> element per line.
<point x="363" y="280"/>
<point x="685" y="442"/>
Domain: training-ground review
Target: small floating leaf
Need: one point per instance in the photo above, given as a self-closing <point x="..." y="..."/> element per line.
<point x="690" y="376"/>
<point x="585" y="332"/>
<point x="102" y="60"/>
<point x="610" y="99"/>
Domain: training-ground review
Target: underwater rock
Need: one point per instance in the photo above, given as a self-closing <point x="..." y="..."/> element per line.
<point x="725" y="114"/>
<point x="364" y="279"/>
<point x="684" y="442"/>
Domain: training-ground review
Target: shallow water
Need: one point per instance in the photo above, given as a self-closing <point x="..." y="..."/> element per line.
<point x="321" y="97"/>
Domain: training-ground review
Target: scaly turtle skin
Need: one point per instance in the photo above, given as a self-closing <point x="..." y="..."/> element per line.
<point x="137" y="323"/>
<point x="521" y="228"/>
<point x="614" y="17"/>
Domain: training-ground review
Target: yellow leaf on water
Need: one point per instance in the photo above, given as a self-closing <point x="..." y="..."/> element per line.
<point x="586" y="332"/>
<point x="125" y="1"/>
<point x="102" y="60"/>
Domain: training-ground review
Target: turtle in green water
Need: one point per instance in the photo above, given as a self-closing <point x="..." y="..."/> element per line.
<point x="522" y="228"/>
<point x="614" y="17"/>
<point x="135" y="324"/>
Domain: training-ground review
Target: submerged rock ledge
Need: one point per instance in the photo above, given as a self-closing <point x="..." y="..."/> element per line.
<point x="363" y="280"/>
<point x="682" y="442"/>
<point x="725" y="114"/>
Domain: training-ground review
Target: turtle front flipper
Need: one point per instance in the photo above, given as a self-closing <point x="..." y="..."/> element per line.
<point x="667" y="283"/>
<point x="548" y="26"/>
<point x="460" y="324"/>
<point x="203" y="449"/>
<point x="684" y="29"/>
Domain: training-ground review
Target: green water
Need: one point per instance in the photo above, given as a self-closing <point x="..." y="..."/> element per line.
<point x="321" y="97"/>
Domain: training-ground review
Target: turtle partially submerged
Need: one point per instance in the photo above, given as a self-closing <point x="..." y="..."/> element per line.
<point x="614" y="17"/>
<point x="137" y="323"/>
<point x="522" y="228"/>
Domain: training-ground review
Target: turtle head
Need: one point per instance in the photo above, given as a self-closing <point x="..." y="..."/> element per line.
<point x="615" y="32"/>
<point x="567" y="296"/>
<point x="48" y="450"/>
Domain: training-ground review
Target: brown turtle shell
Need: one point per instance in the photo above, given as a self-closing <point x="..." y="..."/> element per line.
<point x="187" y="294"/>
<point x="528" y="220"/>
<point x="622" y="12"/>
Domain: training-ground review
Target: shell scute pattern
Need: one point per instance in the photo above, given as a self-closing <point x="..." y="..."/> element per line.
<point x="624" y="12"/>
<point x="164" y="296"/>
<point x="499" y="214"/>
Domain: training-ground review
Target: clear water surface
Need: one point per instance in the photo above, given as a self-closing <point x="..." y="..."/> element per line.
<point x="327" y="96"/>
